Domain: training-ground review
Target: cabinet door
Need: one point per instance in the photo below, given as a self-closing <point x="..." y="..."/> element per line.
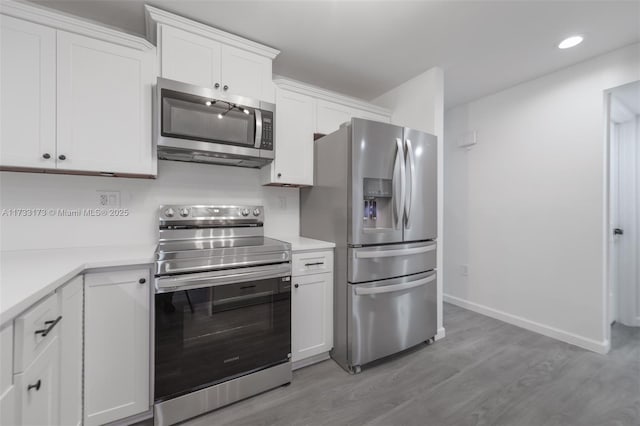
<point x="247" y="74"/>
<point x="27" y="94"/>
<point x="104" y="106"/>
<point x="331" y="115"/>
<point x="189" y="58"/>
<point x="71" y="352"/>
<point x="8" y="400"/>
<point x="311" y="315"/>
<point x="116" y="348"/>
<point x="372" y="116"/>
<point x="293" y="162"/>
<point x="38" y="388"/>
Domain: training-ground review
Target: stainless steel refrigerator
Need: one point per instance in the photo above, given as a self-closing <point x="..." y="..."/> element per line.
<point x="375" y="196"/>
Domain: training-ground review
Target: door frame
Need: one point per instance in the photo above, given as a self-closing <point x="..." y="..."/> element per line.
<point x="631" y="233"/>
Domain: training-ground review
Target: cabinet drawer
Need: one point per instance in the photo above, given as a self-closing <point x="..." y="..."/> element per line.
<point x="316" y="262"/>
<point x="38" y="389"/>
<point x="34" y="330"/>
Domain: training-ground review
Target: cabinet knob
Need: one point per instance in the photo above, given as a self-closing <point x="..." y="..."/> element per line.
<point x="36" y="386"/>
<point x="296" y="285"/>
<point x="279" y="174"/>
<point x="225" y="87"/>
<point x="62" y="157"/>
<point x="142" y="280"/>
<point x="217" y="85"/>
<point x="46" y="156"/>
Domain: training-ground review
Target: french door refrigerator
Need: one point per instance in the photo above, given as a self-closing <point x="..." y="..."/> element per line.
<point x="375" y="197"/>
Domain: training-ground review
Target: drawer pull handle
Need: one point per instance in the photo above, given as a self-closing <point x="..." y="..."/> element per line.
<point x="36" y="386"/>
<point x="314" y="264"/>
<point x="50" y="324"/>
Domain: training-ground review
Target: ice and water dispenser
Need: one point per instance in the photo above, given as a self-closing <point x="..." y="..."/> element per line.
<point x="377" y="194"/>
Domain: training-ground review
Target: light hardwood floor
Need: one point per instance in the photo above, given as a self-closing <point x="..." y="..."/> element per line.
<point x="485" y="372"/>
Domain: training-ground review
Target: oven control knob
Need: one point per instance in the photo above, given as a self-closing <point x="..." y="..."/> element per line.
<point x="169" y="212"/>
<point x="184" y="212"/>
<point x="245" y="212"/>
<point x="256" y="212"/>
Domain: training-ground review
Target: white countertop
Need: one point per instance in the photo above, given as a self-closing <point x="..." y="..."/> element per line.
<point x="26" y="276"/>
<point x="299" y="243"/>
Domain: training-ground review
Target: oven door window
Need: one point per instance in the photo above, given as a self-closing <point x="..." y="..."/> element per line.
<point x="189" y="117"/>
<point x="209" y="335"/>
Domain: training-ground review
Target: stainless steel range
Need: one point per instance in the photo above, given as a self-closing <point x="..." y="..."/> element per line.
<point x="222" y="310"/>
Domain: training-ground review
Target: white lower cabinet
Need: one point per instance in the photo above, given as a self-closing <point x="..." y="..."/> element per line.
<point x="38" y="388"/>
<point x="116" y="348"/>
<point x="8" y="399"/>
<point x="70" y="297"/>
<point x="311" y="312"/>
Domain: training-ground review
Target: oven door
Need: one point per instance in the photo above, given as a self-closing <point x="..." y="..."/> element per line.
<point x="211" y="331"/>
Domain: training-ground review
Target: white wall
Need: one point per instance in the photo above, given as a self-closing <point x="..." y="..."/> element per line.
<point x="525" y="209"/>
<point x="419" y="104"/>
<point x="177" y="183"/>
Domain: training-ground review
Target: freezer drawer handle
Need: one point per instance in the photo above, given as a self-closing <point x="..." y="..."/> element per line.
<point x="393" y="253"/>
<point x="396" y="287"/>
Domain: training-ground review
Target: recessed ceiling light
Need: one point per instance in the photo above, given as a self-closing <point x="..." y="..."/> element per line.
<point x="570" y="42"/>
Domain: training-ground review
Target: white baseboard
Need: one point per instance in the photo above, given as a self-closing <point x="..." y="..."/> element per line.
<point x="440" y="334"/>
<point x="301" y="363"/>
<point x="565" y="336"/>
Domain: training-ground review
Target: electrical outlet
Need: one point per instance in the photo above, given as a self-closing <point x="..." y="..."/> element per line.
<point x="109" y="198"/>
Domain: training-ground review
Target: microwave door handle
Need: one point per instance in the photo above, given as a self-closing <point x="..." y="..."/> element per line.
<point x="258" y="136"/>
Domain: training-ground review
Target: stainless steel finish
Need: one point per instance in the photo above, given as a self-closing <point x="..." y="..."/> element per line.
<point x="392" y="260"/>
<point x="220" y="277"/>
<point x="258" y="129"/>
<point x="400" y="311"/>
<point x="423" y="225"/>
<point x="362" y="291"/>
<point x="187" y="406"/>
<point x="403" y="195"/>
<point x="372" y="151"/>
<point x="178" y="149"/>
<point x="206" y="246"/>
<point x="212" y="238"/>
<point x="411" y="168"/>
<point x="333" y="210"/>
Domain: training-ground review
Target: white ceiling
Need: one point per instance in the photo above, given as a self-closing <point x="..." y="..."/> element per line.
<point x="364" y="48"/>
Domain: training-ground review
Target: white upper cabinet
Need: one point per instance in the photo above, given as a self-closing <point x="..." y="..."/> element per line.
<point x="74" y="95"/>
<point x="301" y="111"/>
<point x="295" y="122"/>
<point x="189" y="58"/>
<point x="331" y="115"/>
<point x="27" y="94"/>
<point x="198" y="54"/>
<point x="104" y="106"/>
<point x="247" y="74"/>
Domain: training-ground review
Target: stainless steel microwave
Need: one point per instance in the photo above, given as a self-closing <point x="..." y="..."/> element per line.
<point x="205" y="125"/>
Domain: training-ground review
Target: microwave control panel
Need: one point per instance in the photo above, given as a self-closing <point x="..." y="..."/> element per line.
<point x="267" y="131"/>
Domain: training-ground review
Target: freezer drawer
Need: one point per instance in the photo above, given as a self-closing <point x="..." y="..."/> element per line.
<point x="389" y="316"/>
<point x="390" y="260"/>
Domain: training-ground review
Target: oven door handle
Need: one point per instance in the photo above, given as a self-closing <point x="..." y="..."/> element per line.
<point x="223" y="277"/>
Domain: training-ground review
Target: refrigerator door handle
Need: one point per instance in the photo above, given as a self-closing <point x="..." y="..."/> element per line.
<point x="412" y="180"/>
<point x="393" y="288"/>
<point x="401" y="199"/>
<point x="373" y="254"/>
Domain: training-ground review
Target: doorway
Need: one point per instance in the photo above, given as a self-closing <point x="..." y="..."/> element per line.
<point x="624" y="208"/>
